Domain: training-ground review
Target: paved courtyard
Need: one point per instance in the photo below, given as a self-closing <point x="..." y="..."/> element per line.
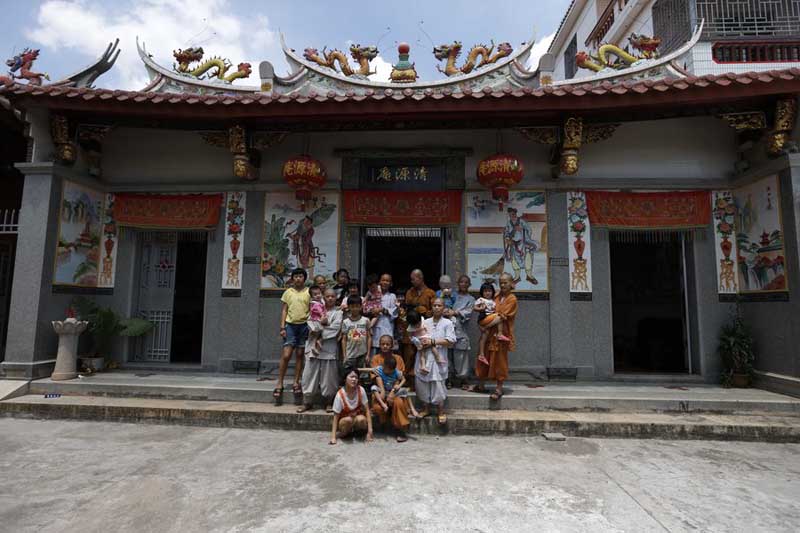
<point x="95" y="476"/>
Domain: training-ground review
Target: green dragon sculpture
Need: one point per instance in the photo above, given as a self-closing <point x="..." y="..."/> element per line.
<point x="450" y="52"/>
<point x="190" y="55"/>
<point x="647" y="47"/>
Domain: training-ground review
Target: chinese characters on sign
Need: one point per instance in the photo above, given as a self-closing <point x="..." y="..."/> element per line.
<point x="414" y="209"/>
<point x="392" y="174"/>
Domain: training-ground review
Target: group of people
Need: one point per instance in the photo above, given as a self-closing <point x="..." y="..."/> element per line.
<point x="415" y="340"/>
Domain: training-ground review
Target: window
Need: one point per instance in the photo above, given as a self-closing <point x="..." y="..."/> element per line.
<point x="749" y="18"/>
<point x="672" y="23"/>
<point x="570" y="67"/>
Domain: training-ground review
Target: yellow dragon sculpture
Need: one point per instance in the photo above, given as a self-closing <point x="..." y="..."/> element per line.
<point x="647" y="46"/>
<point x="360" y="54"/>
<point x="452" y="51"/>
<point x="186" y="57"/>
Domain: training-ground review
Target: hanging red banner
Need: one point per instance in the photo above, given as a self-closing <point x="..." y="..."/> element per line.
<point x="649" y="210"/>
<point x="168" y="211"/>
<point x="424" y="208"/>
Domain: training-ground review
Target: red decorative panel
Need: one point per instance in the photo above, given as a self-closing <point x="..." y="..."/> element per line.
<point x="383" y="208"/>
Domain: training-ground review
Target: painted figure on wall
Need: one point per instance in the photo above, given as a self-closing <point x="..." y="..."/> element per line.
<point x="519" y="246"/>
<point x="303" y="249"/>
<point x="512" y="241"/>
<point x="295" y="238"/>
<point x="78" y="249"/>
<point x="759" y="238"/>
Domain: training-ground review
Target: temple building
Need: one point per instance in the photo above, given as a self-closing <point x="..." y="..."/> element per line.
<point x="638" y="196"/>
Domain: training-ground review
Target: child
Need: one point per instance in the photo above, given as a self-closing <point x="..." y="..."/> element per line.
<point x="446" y="294"/>
<point x="378" y="362"/>
<point x="316" y="312"/>
<point x="419" y="332"/>
<point x="350" y="290"/>
<point x="373" y="301"/>
<point x="387" y="378"/>
<point x="486" y="307"/>
<point x="355" y="336"/>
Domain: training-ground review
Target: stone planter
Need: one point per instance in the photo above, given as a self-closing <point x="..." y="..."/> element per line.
<point x="68" y="332"/>
<point x="94" y="364"/>
<point x="740" y="381"/>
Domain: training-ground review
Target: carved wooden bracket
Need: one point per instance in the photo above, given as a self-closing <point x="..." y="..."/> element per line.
<point x="746" y="121"/>
<point x="66" y="152"/>
<point x="785" y="117"/>
<point x="245" y="147"/>
<point x="90" y="139"/>
<point x="569" y="139"/>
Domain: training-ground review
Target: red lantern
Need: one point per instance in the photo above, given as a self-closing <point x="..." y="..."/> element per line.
<point x="499" y="173"/>
<point x="304" y="174"/>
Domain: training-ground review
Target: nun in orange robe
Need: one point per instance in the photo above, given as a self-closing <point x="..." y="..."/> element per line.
<point x="497" y="351"/>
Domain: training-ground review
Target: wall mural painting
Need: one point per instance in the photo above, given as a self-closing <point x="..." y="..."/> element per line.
<point x="79" y="233"/>
<point x="759" y="237"/>
<point x="294" y="237"/>
<point x="512" y="240"/>
<point x="108" y="263"/>
<point x="234" y="239"/>
<point x="724" y="212"/>
<point x="580" y="272"/>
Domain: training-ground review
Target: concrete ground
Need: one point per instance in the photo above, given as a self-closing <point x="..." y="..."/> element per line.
<point x="97" y="476"/>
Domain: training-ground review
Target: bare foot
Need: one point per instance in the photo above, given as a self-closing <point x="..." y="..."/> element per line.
<point x="422" y="414"/>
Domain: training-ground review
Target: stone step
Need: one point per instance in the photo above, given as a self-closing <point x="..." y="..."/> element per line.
<point x="751" y="427"/>
<point x="691" y="398"/>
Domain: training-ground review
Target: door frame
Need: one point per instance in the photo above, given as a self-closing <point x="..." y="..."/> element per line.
<point x="362" y="245"/>
<point x="685" y="308"/>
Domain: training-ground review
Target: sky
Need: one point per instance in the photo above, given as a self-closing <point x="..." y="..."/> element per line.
<point x="73" y="33"/>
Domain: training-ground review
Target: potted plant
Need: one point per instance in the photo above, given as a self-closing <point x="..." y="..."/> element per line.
<point x="737" y="354"/>
<point x="104" y="325"/>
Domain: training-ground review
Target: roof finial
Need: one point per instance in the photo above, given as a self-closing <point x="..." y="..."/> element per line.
<point x="403" y="71"/>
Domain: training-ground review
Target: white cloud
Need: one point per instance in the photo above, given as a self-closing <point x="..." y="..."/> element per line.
<point x="382" y="69"/>
<point x="538" y="50"/>
<point x="87" y="26"/>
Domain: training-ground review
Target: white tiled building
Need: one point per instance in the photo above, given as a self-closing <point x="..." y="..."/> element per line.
<point x="737" y="36"/>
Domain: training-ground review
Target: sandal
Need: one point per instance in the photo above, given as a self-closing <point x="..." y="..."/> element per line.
<point x="442" y="419"/>
<point x="277" y="395"/>
<point x="480" y="389"/>
<point x="305" y="407"/>
<point x="402" y="437"/>
<point x="329" y="408"/>
<point x="297" y="390"/>
<point x="496" y="395"/>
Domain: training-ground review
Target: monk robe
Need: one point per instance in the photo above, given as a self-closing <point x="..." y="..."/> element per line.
<point x="399" y="410"/>
<point x="497" y="351"/>
<point x="421" y="300"/>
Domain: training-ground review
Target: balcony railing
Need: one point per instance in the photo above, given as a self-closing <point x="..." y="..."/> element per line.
<point x="9" y="221"/>
<point x="604" y="23"/>
<point x="756" y="52"/>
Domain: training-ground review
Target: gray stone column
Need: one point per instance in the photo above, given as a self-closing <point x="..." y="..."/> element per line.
<point x="562" y="345"/>
<point x="31" y="345"/>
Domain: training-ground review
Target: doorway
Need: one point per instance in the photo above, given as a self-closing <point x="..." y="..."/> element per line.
<point x="188" y="302"/>
<point x="172" y="272"/>
<point x="398" y="251"/>
<point x="648" y="297"/>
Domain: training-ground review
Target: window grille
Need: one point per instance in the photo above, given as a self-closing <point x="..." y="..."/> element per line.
<point x="570" y="67"/>
<point x="405" y="233"/>
<point x="748" y="18"/>
<point x="750" y="52"/>
<point x="672" y="22"/>
<point x="9" y="221"/>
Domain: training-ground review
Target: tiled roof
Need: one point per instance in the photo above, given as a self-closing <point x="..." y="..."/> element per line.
<point x="784" y="81"/>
